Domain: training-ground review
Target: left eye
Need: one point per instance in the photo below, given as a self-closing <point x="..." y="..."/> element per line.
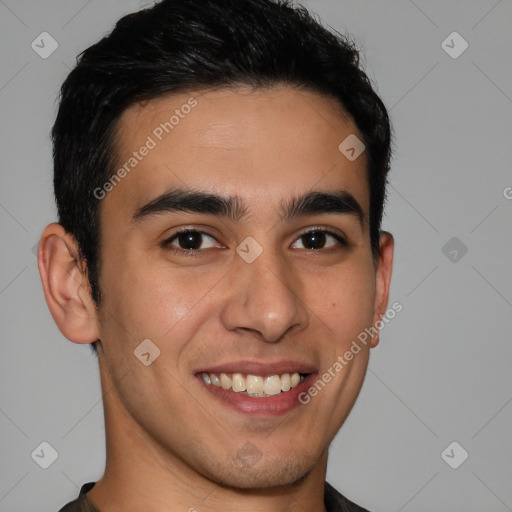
<point x="317" y="239"/>
<point x="191" y="240"/>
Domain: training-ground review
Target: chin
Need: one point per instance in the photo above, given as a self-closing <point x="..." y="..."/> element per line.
<point x="264" y="473"/>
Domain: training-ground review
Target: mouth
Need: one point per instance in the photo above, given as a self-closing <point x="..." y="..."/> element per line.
<point x="257" y="389"/>
<point x="255" y="386"/>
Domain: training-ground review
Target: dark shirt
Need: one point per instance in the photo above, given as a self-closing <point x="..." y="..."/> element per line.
<point x="334" y="501"/>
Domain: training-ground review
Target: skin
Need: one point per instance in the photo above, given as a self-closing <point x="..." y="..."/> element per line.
<point x="170" y="444"/>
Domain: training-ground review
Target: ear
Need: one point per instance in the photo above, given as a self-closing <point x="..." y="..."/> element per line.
<point x="383" y="271"/>
<point x="66" y="286"/>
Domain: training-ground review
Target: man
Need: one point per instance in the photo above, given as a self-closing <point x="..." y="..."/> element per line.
<point x="220" y="173"/>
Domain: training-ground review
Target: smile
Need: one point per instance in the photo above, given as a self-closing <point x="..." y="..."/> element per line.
<point x="255" y="386"/>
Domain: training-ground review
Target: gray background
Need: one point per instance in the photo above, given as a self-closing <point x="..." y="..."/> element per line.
<point x="442" y="370"/>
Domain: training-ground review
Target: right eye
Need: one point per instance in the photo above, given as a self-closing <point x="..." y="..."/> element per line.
<point x="190" y="240"/>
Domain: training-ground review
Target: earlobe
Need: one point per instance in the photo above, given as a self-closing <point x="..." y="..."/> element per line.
<point x="382" y="280"/>
<point x="65" y="285"/>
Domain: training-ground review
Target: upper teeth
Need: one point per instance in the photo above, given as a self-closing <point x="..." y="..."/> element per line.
<point x="254" y="384"/>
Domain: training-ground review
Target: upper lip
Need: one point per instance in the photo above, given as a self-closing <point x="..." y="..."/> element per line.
<point x="260" y="367"/>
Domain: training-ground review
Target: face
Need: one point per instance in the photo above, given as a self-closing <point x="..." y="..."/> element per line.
<point x="238" y="244"/>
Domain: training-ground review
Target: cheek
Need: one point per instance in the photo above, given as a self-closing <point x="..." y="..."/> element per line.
<point x="149" y="300"/>
<point x="343" y="300"/>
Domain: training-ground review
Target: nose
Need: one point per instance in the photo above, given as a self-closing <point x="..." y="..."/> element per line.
<point x="264" y="299"/>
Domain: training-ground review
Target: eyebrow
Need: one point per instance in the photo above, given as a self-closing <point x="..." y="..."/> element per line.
<point x="233" y="207"/>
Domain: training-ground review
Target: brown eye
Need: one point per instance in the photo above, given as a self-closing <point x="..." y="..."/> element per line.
<point x="314" y="240"/>
<point x="318" y="239"/>
<point x="191" y="240"/>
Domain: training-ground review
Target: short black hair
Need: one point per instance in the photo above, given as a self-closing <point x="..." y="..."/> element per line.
<point x="188" y="45"/>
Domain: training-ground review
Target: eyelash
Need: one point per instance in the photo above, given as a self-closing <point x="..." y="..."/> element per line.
<point x="339" y="238"/>
<point x="196" y="252"/>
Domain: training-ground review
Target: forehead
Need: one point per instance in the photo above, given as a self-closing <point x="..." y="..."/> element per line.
<point x="263" y="143"/>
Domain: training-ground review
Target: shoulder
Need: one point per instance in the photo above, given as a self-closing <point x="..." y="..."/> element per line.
<point x="80" y="504"/>
<point x="336" y="502"/>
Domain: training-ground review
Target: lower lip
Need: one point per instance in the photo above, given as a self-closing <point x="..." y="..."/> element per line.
<point x="261" y="406"/>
